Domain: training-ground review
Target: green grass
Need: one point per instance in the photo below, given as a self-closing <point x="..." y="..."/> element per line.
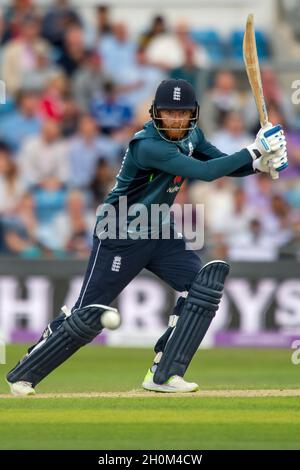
<point x="156" y="422"/>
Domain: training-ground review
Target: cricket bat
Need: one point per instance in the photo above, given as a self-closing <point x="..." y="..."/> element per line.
<point x="254" y="77"/>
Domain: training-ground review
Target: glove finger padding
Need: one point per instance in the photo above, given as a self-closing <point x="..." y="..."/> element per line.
<point x="279" y="161"/>
<point x="267" y="140"/>
<point x="277" y="146"/>
<point x="277" y="143"/>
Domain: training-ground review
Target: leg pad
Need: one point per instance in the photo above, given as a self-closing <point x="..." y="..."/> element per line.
<point x="197" y="313"/>
<point x="76" y="330"/>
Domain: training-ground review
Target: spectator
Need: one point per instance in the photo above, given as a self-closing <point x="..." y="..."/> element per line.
<point x="89" y="80"/>
<point x="117" y="52"/>
<point x="239" y="218"/>
<point x="85" y="149"/>
<point x="291" y="249"/>
<point x="45" y="156"/>
<point x="274" y="97"/>
<point x="57" y="20"/>
<point x="123" y="135"/>
<point x="157" y="27"/>
<point x="11" y="185"/>
<point x="166" y="51"/>
<point x="223" y="97"/>
<point x="39" y="77"/>
<point x="20" y="228"/>
<point x="191" y="71"/>
<point x="14" y="16"/>
<point x="111" y="112"/>
<point x="102" y="182"/>
<point x="216" y="247"/>
<point x="217" y="201"/>
<point x="292" y="173"/>
<point x="259" y="191"/>
<point x="73" y="227"/>
<point x="4" y="33"/>
<point x="20" y="55"/>
<point x="292" y="193"/>
<point x="231" y="137"/>
<point x="49" y="200"/>
<point x="70" y="116"/>
<point x="104" y="25"/>
<point x="21" y="123"/>
<point x="253" y="245"/>
<point x="182" y="33"/>
<point x="52" y="101"/>
<point x="73" y="50"/>
<point x="139" y="85"/>
<point x="270" y="207"/>
<point x="280" y="221"/>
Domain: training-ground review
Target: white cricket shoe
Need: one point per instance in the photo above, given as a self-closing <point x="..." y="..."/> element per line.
<point x="21" y="388"/>
<point x="173" y="385"/>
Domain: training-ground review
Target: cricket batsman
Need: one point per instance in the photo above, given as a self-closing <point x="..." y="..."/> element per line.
<point x="169" y="148"/>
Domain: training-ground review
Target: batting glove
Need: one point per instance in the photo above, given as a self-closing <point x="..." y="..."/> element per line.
<point x="279" y="159"/>
<point x="273" y="161"/>
<point x="269" y="139"/>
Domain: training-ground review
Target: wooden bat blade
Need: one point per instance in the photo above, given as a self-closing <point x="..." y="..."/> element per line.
<point x="253" y="70"/>
<point x="254" y="77"/>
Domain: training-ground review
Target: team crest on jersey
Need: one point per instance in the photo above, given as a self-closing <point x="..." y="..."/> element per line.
<point x="177" y="179"/>
<point x="177" y="93"/>
<point x="191" y="148"/>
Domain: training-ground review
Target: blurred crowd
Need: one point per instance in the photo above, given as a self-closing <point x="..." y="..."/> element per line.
<point x="76" y="91"/>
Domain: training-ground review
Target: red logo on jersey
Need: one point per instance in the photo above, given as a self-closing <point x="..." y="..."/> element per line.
<point x="177" y="179"/>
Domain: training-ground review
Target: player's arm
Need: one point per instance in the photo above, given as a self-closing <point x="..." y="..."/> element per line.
<point x="267" y="152"/>
<point x="168" y="158"/>
<point x="206" y="151"/>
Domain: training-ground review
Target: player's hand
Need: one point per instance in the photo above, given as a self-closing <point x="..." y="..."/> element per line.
<point x="269" y="139"/>
<point x="277" y="161"/>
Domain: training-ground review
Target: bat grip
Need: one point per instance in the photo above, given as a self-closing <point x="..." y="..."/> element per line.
<point x="274" y="174"/>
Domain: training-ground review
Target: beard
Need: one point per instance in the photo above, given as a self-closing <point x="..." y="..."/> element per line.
<point x="175" y="134"/>
<point x="174" y="129"/>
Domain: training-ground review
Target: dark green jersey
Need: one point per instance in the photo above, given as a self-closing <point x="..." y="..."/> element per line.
<point x="153" y="169"/>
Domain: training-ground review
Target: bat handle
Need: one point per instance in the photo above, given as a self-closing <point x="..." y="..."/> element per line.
<point x="274" y="174"/>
